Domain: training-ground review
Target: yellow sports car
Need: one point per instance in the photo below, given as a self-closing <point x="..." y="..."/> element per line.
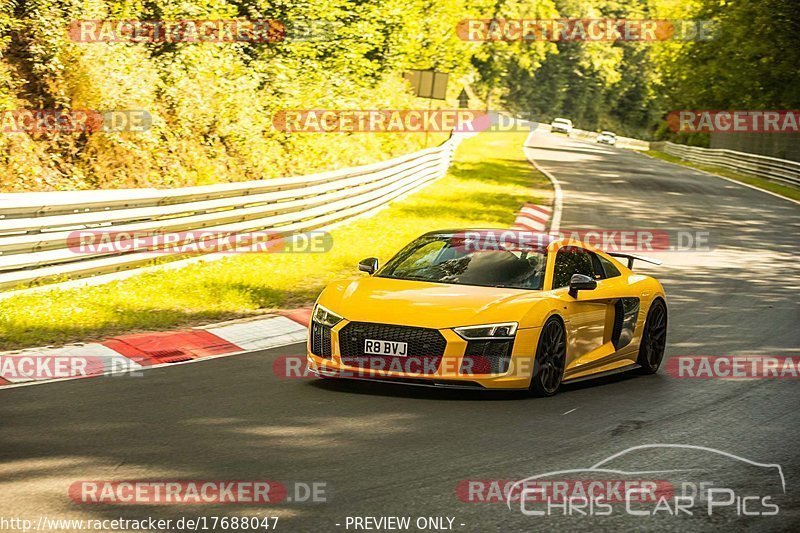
<point x="490" y="309"/>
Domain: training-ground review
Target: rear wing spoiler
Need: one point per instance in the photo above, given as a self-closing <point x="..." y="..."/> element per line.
<point x="632" y="257"/>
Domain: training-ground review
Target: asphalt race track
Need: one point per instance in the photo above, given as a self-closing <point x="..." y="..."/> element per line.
<point x="396" y="451"/>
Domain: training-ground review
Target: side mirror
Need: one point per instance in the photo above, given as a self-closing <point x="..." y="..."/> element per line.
<point x="581" y="282"/>
<point x="368" y="265"/>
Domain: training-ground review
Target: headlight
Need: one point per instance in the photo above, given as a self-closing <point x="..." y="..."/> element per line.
<point x="325" y="317"/>
<point x="505" y="330"/>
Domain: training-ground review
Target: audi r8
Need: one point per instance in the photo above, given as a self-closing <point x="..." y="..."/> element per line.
<point x="490" y="309"/>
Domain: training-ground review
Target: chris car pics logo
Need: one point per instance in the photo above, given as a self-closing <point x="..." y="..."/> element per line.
<point x="675" y="480"/>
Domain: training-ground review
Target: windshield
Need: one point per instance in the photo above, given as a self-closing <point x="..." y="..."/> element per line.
<point x="562" y="121"/>
<point x="462" y="261"/>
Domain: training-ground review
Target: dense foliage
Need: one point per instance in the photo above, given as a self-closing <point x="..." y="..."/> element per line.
<point x="212" y="103"/>
<point x="750" y="61"/>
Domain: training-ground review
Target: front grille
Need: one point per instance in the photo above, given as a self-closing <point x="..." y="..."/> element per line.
<point x="321" y="340"/>
<point x="424" y="353"/>
<point x="487" y="357"/>
<point x="422" y="342"/>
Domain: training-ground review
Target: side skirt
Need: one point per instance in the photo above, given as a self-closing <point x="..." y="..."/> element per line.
<point x="604" y="374"/>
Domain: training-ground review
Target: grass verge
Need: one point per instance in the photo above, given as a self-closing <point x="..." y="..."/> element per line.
<point x="488" y="182"/>
<point x="784" y="190"/>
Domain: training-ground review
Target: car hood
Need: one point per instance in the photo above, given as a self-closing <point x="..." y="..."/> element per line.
<point x="424" y="304"/>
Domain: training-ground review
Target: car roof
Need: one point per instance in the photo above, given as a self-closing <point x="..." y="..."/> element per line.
<point x="545" y="239"/>
<point x="608" y="133"/>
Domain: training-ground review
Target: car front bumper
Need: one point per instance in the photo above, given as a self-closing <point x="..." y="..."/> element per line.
<point x="451" y="368"/>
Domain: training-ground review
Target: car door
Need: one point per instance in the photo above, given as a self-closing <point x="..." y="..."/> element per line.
<point x="589" y="317"/>
<point x="625" y="300"/>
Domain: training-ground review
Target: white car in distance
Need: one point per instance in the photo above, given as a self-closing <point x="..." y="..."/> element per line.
<point x="561" y="125"/>
<point x="607" y="137"/>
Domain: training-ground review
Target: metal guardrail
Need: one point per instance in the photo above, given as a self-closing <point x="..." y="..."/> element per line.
<point x="781" y="170"/>
<point x="35" y="227"/>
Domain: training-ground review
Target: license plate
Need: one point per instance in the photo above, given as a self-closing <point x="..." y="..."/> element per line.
<point x="375" y="347"/>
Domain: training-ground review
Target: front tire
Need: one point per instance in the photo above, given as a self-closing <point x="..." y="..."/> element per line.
<point x="654" y="339"/>
<point x="551" y="358"/>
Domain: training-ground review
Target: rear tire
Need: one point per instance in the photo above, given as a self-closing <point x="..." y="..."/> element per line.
<point x="654" y="339"/>
<point x="551" y="358"/>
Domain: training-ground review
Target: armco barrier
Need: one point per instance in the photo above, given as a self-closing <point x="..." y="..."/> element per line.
<point x="772" y="168"/>
<point x="34" y="227"/>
